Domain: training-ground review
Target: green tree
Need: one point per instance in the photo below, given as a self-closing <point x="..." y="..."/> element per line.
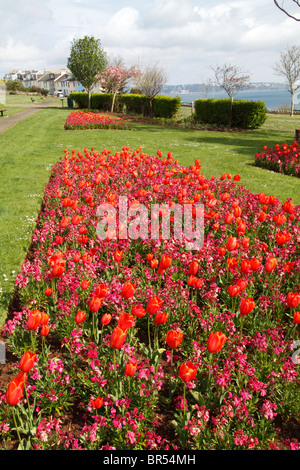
<point x="87" y="60"/>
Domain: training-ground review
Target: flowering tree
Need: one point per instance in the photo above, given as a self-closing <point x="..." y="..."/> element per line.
<point x="115" y="78"/>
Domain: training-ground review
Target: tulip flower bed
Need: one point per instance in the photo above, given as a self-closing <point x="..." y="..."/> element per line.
<point x="141" y="344"/>
<point x="283" y="159"/>
<point x="89" y="120"/>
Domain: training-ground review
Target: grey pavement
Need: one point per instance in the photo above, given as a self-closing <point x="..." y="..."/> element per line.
<point x="6" y="122"/>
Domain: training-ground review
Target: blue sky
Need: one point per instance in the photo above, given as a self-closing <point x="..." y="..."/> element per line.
<point x="185" y="37"/>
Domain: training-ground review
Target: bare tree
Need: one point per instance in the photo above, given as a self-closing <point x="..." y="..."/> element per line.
<point x="284" y="9"/>
<point x="289" y="68"/>
<point x="232" y="79"/>
<point x="150" y="82"/>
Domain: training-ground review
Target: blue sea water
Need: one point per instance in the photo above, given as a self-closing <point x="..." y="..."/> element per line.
<point x="273" y="98"/>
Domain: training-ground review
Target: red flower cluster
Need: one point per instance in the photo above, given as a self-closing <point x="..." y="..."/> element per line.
<point x="282" y="159"/>
<point x="81" y="120"/>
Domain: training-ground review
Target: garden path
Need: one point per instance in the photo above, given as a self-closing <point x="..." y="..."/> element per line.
<point x="9" y="121"/>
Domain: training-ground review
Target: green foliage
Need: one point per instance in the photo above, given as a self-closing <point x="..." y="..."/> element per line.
<point x="163" y="106"/>
<point x="245" y="114"/>
<point x="15" y="85"/>
<point x="166" y="106"/>
<point x="87" y="60"/>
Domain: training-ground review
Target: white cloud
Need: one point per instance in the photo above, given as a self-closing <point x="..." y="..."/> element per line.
<point x="184" y="36"/>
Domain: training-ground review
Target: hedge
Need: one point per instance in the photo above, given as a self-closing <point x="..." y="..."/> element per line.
<point x="245" y="114"/>
<point x="163" y="106"/>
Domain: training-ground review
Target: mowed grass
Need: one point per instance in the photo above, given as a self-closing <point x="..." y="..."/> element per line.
<point x="34" y="145"/>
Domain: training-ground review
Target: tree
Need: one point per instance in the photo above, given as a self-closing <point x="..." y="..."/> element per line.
<point x="289" y="68"/>
<point x="288" y="13"/>
<point x="150" y="82"/>
<point x="87" y="60"/>
<point x="232" y="79"/>
<point x="115" y="79"/>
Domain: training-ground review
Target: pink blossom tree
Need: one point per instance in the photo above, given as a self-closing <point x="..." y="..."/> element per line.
<point x="115" y="78"/>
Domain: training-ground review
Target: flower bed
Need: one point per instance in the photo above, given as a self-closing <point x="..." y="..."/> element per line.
<point x="282" y="159"/>
<point x="89" y="120"/>
<point x="136" y="344"/>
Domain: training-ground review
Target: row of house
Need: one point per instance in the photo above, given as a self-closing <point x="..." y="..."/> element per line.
<point x="58" y="81"/>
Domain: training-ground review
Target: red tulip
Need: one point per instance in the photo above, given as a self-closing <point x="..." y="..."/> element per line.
<point x="138" y="311"/>
<point x="241" y="228"/>
<point x="193" y="269"/>
<point x="296" y="318"/>
<point x="191" y="280"/>
<point x="48" y="291"/>
<point x="154" y="305"/>
<point x="58" y="269"/>
<point x="160" y="318"/>
<point x="293" y="299"/>
<point x="126" y="321"/>
<point x="95" y="304"/>
<point x="27" y="361"/>
<point x="232" y="244"/>
<point x="101" y="291"/>
<point x="34" y="320"/>
<point x="174" y="338"/>
<point x="15" y="389"/>
<point x="245" y="266"/>
<point x="127" y="290"/>
<point x="164" y="264"/>
<point x="255" y="264"/>
<point x="216" y="341"/>
<point x="64" y="222"/>
<point x="270" y="264"/>
<point x="187" y="371"/>
<point x="76" y="219"/>
<point x="106" y="319"/>
<point x="283" y="237"/>
<point x="246" y="306"/>
<point x="130" y="369"/>
<point x="118" y="255"/>
<point x="85" y="284"/>
<point x="45" y="330"/>
<point x="228" y="218"/>
<point x="233" y="290"/>
<point x="232" y="263"/>
<point x="44" y="318"/>
<point x="97" y="403"/>
<point x="242" y="284"/>
<point x="279" y="219"/>
<point x="118" y="338"/>
<point x="80" y="317"/>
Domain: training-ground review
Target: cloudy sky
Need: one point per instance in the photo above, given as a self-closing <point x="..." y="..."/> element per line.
<point x="185" y="37"/>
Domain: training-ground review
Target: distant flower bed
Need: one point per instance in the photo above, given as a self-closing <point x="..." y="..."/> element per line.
<point x="82" y="120"/>
<point x="283" y="159"/>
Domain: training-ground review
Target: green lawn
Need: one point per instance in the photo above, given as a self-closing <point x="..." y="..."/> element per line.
<point x="31" y="147"/>
<point x="23" y="98"/>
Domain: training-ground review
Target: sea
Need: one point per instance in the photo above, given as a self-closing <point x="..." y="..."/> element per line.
<point x="274" y="99"/>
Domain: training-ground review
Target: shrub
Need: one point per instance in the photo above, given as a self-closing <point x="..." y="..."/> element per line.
<point x="163" y="106"/>
<point x="245" y="114"/>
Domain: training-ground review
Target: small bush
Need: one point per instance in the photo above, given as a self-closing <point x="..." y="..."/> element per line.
<point x="245" y="114"/>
